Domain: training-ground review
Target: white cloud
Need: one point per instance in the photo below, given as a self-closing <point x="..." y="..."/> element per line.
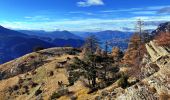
<point x="81" y="12"/>
<point x="150" y="9"/>
<point x="121" y="10"/>
<point x="144" y="12"/>
<point x="35" y="18"/>
<point x="87" y="3"/>
<point x="92" y="24"/>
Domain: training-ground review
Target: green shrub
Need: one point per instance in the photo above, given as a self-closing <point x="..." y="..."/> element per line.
<point x="38" y="92"/>
<point x="72" y="53"/>
<point x="71" y="81"/>
<point x="55" y="95"/>
<point x="73" y="77"/>
<point x="59" y="93"/>
<point x="123" y="81"/>
<point x="38" y="48"/>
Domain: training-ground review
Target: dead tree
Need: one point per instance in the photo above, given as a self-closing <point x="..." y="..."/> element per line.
<point x="140" y="32"/>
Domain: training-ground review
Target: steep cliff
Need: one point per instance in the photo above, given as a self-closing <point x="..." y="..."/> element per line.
<point x="156" y="85"/>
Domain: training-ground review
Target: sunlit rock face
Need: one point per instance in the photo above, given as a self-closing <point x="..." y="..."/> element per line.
<point x="156" y="81"/>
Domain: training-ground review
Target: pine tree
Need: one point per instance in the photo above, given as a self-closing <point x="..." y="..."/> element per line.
<point x="91" y="44"/>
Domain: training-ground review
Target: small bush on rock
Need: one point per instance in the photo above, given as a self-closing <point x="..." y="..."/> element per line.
<point x="38" y="92"/>
<point x="123" y="81"/>
<point x="59" y="93"/>
<point x="38" y="48"/>
<point x="55" y="95"/>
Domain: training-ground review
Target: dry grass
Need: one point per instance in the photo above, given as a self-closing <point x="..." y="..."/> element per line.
<point x="5" y="85"/>
<point x="48" y="84"/>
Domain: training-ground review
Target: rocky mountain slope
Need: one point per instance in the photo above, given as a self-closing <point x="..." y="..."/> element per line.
<point x="156" y="82"/>
<point x="164" y="27"/>
<point x="36" y="76"/>
<point x="44" y="75"/>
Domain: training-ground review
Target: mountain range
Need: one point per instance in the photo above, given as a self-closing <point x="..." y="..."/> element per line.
<point x="16" y="43"/>
<point x="105" y="35"/>
<point x="54" y="74"/>
<point x="117" y="38"/>
<point x="53" y="34"/>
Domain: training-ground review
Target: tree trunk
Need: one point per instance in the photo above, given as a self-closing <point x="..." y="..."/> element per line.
<point x="105" y="73"/>
<point x="94" y="82"/>
<point x="94" y="79"/>
<point x="89" y="81"/>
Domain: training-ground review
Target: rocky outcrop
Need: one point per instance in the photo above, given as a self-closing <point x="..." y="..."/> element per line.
<point x="156" y="76"/>
<point x="160" y="56"/>
<point x="155" y="51"/>
<point x="138" y="92"/>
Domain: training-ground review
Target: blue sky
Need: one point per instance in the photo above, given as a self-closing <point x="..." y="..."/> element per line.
<point x="82" y="15"/>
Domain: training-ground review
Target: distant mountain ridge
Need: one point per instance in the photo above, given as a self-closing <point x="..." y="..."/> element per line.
<point x="14" y="44"/>
<point x="59" y="38"/>
<point x="68" y="42"/>
<point x="107" y="34"/>
<point x="53" y="35"/>
<point x="7" y="32"/>
<point x="118" y="38"/>
<point x="164" y="27"/>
